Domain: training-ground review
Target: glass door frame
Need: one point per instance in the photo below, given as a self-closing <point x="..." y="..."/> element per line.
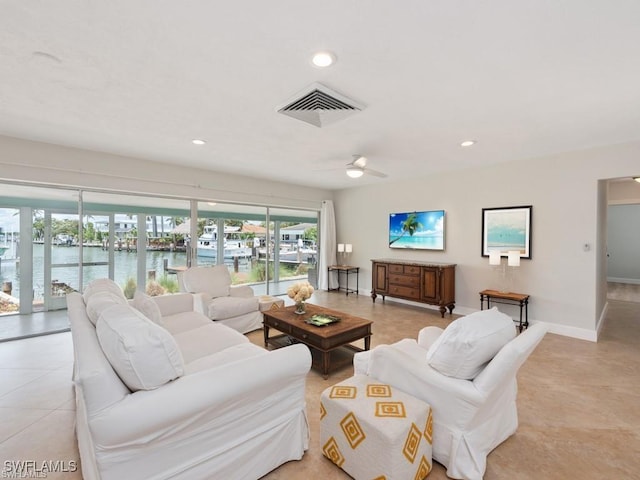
<point x="51" y="301"/>
<point x="56" y="302"/>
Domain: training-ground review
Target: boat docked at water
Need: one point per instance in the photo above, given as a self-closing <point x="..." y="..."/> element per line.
<point x="234" y="246"/>
<point x="293" y="253"/>
<point x="298" y="254"/>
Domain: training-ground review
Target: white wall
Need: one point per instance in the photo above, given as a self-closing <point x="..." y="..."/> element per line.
<point x="52" y="164"/>
<point x="563" y="278"/>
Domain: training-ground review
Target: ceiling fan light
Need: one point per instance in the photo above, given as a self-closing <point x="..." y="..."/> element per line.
<point x="355" y="172"/>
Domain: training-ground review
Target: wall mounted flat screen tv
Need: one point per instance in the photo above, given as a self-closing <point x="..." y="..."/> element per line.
<point x="417" y="230"/>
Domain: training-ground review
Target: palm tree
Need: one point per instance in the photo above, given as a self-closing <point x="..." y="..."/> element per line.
<point x="410" y="226"/>
<point x="89" y="232"/>
<point x="154" y="224"/>
<point x="173" y="222"/>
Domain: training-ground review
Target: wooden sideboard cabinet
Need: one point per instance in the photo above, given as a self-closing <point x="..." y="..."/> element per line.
<point x="424" y="282"/>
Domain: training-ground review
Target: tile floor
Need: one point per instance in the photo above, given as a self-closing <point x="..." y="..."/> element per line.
<point x="37" y="407"/>
<point x="579" y="402"/>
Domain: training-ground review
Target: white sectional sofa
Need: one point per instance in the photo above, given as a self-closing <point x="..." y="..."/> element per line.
<point x="163" y="392"/>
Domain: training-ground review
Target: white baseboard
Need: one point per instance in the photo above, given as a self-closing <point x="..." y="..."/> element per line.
<point x="573" y="332"/>
<point x="558" y="329"/>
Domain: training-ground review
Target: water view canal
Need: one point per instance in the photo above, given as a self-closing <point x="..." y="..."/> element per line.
<point x="125" y="266"/>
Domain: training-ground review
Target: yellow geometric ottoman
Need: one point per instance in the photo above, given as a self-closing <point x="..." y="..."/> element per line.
<point x="375" y="431"/>
<point x="267" y="302"/>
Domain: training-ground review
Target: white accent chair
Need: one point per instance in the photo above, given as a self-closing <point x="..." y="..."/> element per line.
<point x="471" y="415"/>
<point x="235" y="306"/>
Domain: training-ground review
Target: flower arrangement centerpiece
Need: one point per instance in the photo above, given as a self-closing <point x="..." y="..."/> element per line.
<point x="299" y="293"/>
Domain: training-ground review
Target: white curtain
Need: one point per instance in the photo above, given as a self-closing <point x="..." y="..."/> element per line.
<point x="327" y="246"/>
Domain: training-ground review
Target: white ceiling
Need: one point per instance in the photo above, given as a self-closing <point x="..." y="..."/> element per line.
<point x="143" y="78"/>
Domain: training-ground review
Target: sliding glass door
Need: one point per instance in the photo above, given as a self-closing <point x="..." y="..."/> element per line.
<point x="267" y="248"/>
<point x="9" y="243"/>
<point x="57" y="240"/>
<point x="143" y="241"/>
<point x="56" y="261"/>
<point x="293" y="248"/>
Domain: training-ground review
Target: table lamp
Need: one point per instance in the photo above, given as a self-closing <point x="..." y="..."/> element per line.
<point x="495" y="259"/>
<point x="348" y="249"/>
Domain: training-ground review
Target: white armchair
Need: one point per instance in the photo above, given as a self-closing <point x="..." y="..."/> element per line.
<point x="233" y="305"/>
<point x="471" y="416"/>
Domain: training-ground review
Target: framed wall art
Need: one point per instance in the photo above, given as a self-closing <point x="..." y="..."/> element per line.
<point x="507" y="229"/>
<point x="417" y="230"/>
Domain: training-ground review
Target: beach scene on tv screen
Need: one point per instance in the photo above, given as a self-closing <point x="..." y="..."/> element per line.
<point x="419" y="230"/>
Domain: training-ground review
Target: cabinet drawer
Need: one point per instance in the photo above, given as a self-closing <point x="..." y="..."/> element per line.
<point x="278" y="325"/>
<point x="406" y="280"/>
<point x="304" y="335"/>
<point x="408" y="292"/>
<point x="411" y="270"/>
<point x="396" y="268"/>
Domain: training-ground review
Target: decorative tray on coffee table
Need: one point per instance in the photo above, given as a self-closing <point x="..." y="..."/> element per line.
<point x="322" y="320"/>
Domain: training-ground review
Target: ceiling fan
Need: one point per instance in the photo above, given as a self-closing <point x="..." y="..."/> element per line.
<point x="358" y="167"/>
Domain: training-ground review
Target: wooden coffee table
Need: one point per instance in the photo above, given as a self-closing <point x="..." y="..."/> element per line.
<point x="323" y="340"/>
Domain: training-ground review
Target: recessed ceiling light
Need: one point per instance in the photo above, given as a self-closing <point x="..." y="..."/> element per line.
<point x="197" y="141"/>
<point x="323" y="59"/>
<point x="467" y="143"/>
<point x="637" y="179"/>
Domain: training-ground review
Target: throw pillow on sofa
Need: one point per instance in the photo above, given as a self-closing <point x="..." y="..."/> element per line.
<point x="469" y="343"/>
<point x="101" y="285"/>
<point x="143" y="354"/>
<point x="101" y="300"/>
<point x="145" y="305"/>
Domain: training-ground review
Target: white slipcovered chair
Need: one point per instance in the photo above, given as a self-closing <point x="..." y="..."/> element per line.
<point x="235" y="306"/>
<point x="467" y="373"/>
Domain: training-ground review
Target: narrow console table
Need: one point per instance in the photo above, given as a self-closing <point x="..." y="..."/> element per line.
<point x="508" y="298"/>
<point x="424" y="282"/>
<point x="346" y="269"/>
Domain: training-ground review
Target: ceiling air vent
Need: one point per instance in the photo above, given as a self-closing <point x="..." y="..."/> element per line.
<point x="319" y="106"/>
